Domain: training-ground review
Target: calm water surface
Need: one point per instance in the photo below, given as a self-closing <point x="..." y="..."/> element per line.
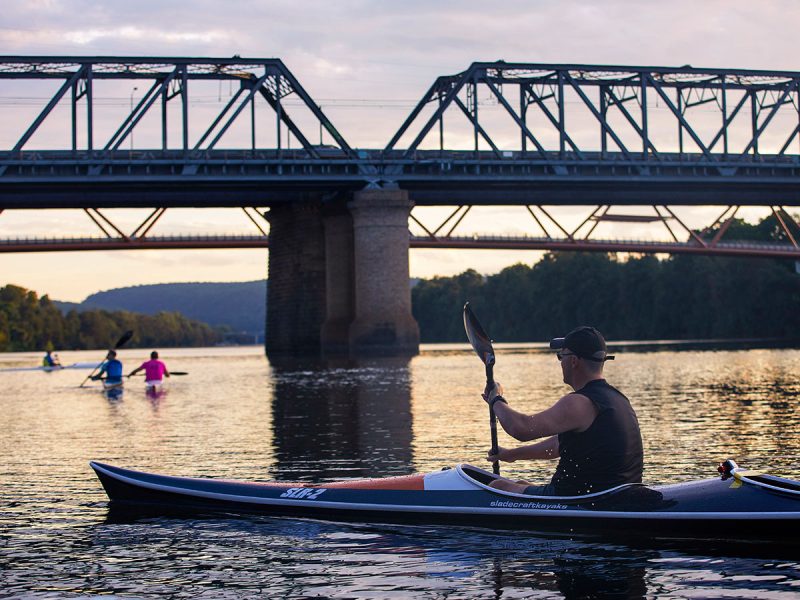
<point x="239" y="417"/>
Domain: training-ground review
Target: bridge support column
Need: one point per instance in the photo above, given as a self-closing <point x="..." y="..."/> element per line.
<point x="296" y="292"/>
<point x="383" y="322"/>
<point x="339" y="292"/>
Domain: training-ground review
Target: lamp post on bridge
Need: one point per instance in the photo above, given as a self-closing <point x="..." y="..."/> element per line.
<point x="133" y="91"/>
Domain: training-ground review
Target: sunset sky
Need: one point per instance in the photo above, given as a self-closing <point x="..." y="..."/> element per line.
<point x="366" y="63"/>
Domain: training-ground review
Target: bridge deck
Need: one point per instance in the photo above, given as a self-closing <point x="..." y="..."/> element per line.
<point x="50" y="179"/>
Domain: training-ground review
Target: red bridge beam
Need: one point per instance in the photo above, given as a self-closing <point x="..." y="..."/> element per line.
<point x="644" y="247"/>
<point x="741" y="249"/>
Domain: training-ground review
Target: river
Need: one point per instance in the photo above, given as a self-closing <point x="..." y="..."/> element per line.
<point x="236" y="416"/>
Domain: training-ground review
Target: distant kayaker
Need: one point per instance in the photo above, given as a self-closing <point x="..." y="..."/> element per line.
<point x="154" y="369"/>
<point x="593" y="430"/>
<point x="50" y="360"/>
<point x="111" y="368"/>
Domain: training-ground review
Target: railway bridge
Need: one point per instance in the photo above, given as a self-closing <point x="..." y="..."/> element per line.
<point x="497" y="134"/>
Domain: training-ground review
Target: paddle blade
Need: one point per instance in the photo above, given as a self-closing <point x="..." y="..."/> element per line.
<point x="171" y="373"/>
<point x="123" y="339"/>
<point x="477" y="337"/>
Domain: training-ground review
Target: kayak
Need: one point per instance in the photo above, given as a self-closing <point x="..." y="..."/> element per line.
<point x="738" y="505"/>
<point x="49" y="369"/>
<point x="155" y="388"/>
<point x="113" y="390"/>
<point x="39" y="368"/>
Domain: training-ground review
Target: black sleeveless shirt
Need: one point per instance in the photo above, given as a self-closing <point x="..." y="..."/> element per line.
<point x="607" y="454"/>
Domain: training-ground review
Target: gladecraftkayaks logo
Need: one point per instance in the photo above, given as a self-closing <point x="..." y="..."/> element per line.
<point x="535" y="505"/>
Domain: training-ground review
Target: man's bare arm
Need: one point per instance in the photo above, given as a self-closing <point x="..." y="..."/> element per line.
<point x="573" y="412"/>
<point x="546" y="449"/>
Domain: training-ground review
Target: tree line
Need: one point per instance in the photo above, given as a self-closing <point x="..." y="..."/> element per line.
<point x="640" y="297"/>
<point x="28" y="322"/>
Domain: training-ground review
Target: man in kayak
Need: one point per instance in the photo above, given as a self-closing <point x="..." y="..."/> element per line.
<point x="593" y="431"/>
<point x="112" y="369"/>
<point x="154" y="370"/>
<point x="50" y="360"/>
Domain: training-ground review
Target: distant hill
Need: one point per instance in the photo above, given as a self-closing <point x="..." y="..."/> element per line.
<point x="242" y="306"/>
<point x="239" y="305"/>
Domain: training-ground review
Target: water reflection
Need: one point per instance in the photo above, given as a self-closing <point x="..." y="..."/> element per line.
<point x="341" y="418"/>
<point x="114" y="394"/>
<point x="368" y="561"/>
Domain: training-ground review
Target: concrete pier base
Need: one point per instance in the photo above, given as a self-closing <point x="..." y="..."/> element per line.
<point x="339" y="292"/>
<point x="383" y="323"/>
<point x="296" y="291"/>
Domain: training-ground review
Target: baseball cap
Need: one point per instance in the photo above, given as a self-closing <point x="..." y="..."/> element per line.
<point x="586" y="342"/>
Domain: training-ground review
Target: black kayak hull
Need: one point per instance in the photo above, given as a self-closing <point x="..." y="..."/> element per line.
<point x="708" y="509"/>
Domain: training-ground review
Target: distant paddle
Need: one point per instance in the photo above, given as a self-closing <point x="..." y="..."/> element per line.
<point x="483" y="348"/>
<point x="178" y="373"/>
<point x="120" y="342"/>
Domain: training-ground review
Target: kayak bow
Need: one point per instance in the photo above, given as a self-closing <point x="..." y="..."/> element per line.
<point x="739" y="505"/>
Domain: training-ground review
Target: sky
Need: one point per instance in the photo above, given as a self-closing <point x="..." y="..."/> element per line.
<point x="366" y="63"/>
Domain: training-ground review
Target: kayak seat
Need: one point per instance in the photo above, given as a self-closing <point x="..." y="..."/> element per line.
<point x="635" y="497"/>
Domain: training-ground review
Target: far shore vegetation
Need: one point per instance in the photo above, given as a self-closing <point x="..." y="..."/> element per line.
<point x="28" y="322"/>
<point x="636" y="298"/>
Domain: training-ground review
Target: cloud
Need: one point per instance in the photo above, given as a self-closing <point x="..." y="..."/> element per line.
<point x="88" y="36"/>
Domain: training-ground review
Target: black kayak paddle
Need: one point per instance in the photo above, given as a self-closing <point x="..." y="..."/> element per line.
<point x="120" y="342"/>
<point x="176" y="373"/>
<point x="483" y="348"/>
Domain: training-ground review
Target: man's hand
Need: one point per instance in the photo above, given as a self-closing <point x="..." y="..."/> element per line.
<point x="503" y="455"/>
<point x="491" y="394"/>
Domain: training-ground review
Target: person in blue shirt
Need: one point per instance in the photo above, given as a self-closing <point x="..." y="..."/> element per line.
<point x="111" y="368"/>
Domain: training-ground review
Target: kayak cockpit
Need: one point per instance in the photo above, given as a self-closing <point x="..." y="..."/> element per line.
<point x="484" y="479"/>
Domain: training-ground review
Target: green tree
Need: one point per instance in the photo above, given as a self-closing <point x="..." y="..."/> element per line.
<point x="31" y="323"/>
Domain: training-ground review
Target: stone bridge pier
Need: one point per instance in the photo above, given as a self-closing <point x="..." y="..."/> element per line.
<point x="339" y="277"/>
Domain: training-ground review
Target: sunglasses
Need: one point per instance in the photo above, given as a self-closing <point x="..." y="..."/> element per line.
<point x="560" y="355"/>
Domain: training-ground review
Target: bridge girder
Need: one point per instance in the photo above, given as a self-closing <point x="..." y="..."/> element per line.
<point x="212" y="242"/>
<point x="224" y="178"/>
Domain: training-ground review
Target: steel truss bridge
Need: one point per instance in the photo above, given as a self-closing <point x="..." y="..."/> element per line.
<point x="497" y="134"/>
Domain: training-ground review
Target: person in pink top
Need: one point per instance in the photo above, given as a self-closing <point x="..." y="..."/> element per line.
<point x="154" y="369"/>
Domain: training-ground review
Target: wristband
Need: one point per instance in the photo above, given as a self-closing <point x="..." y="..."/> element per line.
<point x="496" y="399"/>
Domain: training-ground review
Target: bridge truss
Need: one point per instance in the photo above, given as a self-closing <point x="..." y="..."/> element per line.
<point x="620" y="103"/>
<point x="500" y="134"/>
<point x="168" y="80"/>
